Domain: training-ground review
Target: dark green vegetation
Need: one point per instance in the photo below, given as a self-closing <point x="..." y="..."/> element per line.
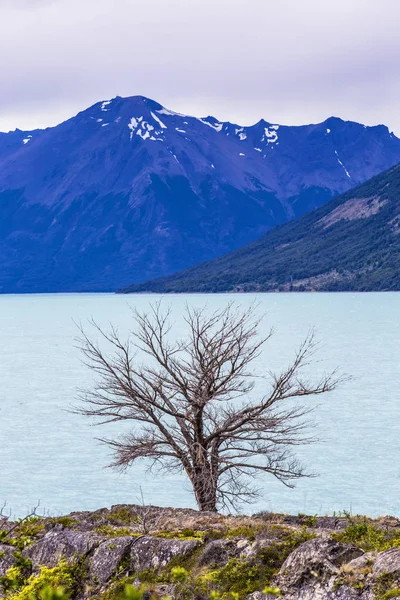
<point x="350" y="244"/>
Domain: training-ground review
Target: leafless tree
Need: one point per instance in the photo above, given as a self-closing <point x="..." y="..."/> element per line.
<point x="194" y="405"/>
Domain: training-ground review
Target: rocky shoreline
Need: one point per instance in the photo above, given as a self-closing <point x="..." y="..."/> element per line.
<point x="187" y="554"/>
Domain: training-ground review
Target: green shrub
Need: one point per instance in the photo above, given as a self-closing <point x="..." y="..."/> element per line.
<point x="66" y="522"/>
<point x="64" y="579"/>
<point x="241" y="577"/>
<point x="16" y="575"/>
<point x="368" y="536"/>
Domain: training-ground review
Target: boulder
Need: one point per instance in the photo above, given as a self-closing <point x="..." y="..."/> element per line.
<point x="314" y="561"/>
<point x="155" y="553"/>
<point x="258" y="596"/>
<point x="320" y="592"/>
<point x="218" y="552"/>
<point x="7" y="558"/>
<point x="108" y="557"/>
<point x="359" y="564"/>
<point x="56" y="545"/>
<point x="387" y="562"/>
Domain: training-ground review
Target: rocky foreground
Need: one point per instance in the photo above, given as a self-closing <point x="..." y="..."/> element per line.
<point x="186" y="554"/>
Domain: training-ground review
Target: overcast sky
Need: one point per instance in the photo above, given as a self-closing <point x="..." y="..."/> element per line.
<point x="289" y="61"/>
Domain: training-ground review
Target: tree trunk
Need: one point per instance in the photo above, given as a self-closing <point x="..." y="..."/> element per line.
<point x="206" y="500"/>
<point x="205" y="491"/>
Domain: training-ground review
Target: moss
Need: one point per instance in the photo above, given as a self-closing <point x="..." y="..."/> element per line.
<point x="241" y="577"/>
<point x="122" y="515"/>
<point x="272" y="591"/>
<point x="385" y="587"/>
<point x="366" y="535"/>
<point x="246" y="531"/>
<point x="183" y="534"/>
<point x="110" y="531"/>
<point x="394" y="593"/>
<point x="150" y="576"/>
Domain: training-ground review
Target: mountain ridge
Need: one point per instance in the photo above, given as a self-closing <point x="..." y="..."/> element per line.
<point x="352" y="243"/>
<point x="128" y="190"/>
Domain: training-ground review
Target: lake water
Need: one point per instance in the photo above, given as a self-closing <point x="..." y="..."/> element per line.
<point x="50" y="455"/>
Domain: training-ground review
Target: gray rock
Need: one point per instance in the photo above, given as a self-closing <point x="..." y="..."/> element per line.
<point x="165" y="591"/>
<point x="250" y="550"/>
<point x="216" y="553"/>
<point x="155" y="553"/>
<point x="320" y="592"/>
<point x="56" y="545"/>
<point x="357" y="564"/>
<point x="7" y="558"/>
<point x="107" y="557"/>
<point x="314" y="561"/>
<point x="387" y="562"/>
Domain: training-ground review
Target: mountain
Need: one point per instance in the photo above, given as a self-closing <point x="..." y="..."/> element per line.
<point x="351" y="243"/>
<point x="128" y="190"/>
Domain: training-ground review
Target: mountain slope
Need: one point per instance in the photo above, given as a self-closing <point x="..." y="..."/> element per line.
<point x="127" y="190"/>
<point x="351" y="243"/>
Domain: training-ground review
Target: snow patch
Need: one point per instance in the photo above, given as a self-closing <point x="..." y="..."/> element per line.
<point x="169" y="113"/>
<point x="161" y="124"/>
<point x="212" y="166"/>
<point x="270" y="134"/>
<point x="180" y="130"/>
<point x="143" y="129"/>
<point x="239" y="132"/>
<point x="105" y="124"/>
<point x="174" y="155"/>
<point x="258" y="149"/>
<point x="99" y="121"/>
<point x="328" y="131"/>
<point x="217" y="126"/>
<point x="241" y="154"/>
<point x="340" y="163"/>
<point x="105" y="104"/>
<point x="26" y="140"/>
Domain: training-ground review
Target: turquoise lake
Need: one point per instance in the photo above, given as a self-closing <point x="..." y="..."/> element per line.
<point x="51" y="455"/>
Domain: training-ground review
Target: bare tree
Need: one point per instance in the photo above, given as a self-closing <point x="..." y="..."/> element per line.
<point x="191" y="405"/>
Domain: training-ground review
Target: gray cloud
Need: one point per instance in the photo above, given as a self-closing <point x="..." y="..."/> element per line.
<point x="292" y="61"/>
